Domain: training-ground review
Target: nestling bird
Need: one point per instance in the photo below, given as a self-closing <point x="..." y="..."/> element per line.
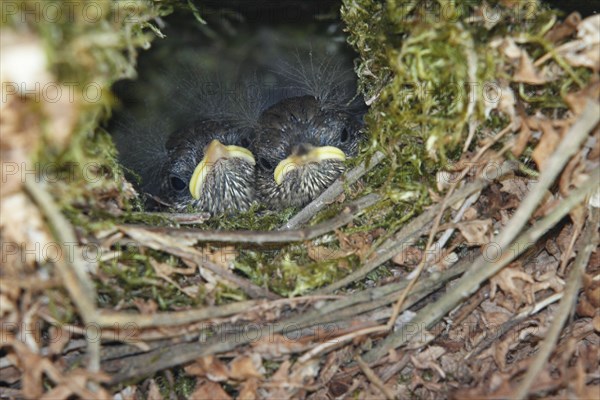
<point x="302" y="146"/>
<point x="304" y="139"/>
<point x="209" y="168"/>
<point x="206" y="166"/>
<point x="194" y="154"/>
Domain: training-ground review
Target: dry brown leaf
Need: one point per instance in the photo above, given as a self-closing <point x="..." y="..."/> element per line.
<point x="163" y="270"/>
<point x="547" y="144"/>
<point x="145" y="306"/>
<point x="280" y="376"/>
<point x="245" y="367"/>
<point x="526" y="71"/>
<point x="510" y="280"/>
<point x="409" y="256"/>
<point x="427" y="359"/>
<point x="578" y="100"/>
<point x="304" y="374"/>
<point x="585" y="51"/>
<point x="546" y="205"/>
<point x="515" y="186"/>
<point x="207" y="390"/>
<point x="154" y="391"/>
<point x="592" y="291"/>
<point x="210" y="367"/>
<point x="358" y="243"/>
<point x="564" y="29"/>
<point x="323" y="253"/>
<point x="548" y="281"/>
<point x="340" y="385"/>
<point x="523" y="137"/>
<point x="477" y="232"/>
<point x="589" y="301"/>
<point x="509" y="48"/>
<point x="248" y="390"/>
<point x="470" y="214"/>
<point x="277" y="346"/>
<point x="572" y="174"/>
<point x="596" y="322"/>
<point x="500" y="349"/>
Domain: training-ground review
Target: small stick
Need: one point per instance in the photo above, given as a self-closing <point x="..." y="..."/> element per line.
<point x="179" y="218"/>
<point x="73" y="272"/>
<point x="258" y="237"/>
<point x="372" y="376"/>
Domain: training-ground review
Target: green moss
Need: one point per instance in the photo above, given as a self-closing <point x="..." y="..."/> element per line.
<point x="289" y="271"/>
<point x="424" y="64"/>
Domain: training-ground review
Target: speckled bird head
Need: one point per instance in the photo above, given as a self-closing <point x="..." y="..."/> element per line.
<point x="302" y="148"/>
<point x="209" y="168"/>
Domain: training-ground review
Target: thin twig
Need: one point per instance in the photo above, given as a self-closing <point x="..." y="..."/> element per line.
<point x="332" y="192"/>
<point x="350" y="211"/>
<point x="172" y="318"/>
<point x="588" y="244"/>
<point x="372" y="376"/>
<point x="179" y="218"/>
<point x="338" y="341"/>
<point x="73" y="271"/>
<point x="431" y="256"/>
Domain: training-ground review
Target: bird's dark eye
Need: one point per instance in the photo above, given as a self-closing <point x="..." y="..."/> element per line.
<point x="177" y="183"/>
<point x="345" y="135"/>
<point x="264" y="163"/>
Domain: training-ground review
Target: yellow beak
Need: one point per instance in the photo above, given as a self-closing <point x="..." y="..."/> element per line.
<point x="315" y="155"/>
<point x="213" y="153"/>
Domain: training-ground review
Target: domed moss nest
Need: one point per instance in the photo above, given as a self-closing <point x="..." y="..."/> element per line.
<point x="477" y="112"/>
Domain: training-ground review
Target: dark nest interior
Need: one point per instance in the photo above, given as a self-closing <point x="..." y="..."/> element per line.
<point x="456" y="256"/>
